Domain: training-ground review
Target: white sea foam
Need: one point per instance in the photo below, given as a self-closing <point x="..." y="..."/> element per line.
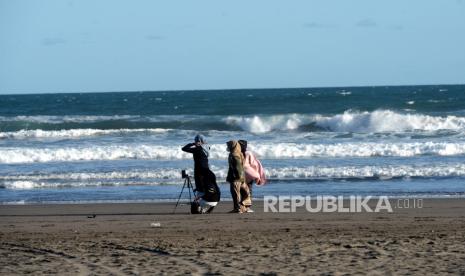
<point x="11" y="155"/>
<point x="290" y="150"/>
<point x="22" y="184"/>
<point x="262" y="124"/>
<point x="50" y="119"/>
<point x="350" y="121"/>
<point x="171" y="175"/>
<point x="38" y="133"/>
<point x="19" y="202"/>
<point x="386" y="120"/>
<point x="362" y="172"/>
<point x="67" y="118"/>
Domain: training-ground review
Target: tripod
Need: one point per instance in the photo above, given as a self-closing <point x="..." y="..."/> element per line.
<point x="188" y="184"/>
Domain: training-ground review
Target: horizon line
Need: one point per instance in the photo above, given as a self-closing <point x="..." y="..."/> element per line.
<point x="225" y="89"/>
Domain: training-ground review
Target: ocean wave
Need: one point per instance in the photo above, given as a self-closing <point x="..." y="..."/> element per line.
<point x="69" y="133"/>
<point x="171" y="176"/>
<point x="389" y="121"/>
<point x="349" y="121"/>
<point x="12" y="155"/>
<point x="50" y="119"/>
<point x="57" y="123"/>
<point x="372" y="149"/>
<point x="262" y="124"/>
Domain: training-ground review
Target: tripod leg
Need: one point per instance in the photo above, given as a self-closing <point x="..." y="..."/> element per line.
<point x="180" y="194"/>
<point x="195" y="208"/>
<point x="189" y="187"/>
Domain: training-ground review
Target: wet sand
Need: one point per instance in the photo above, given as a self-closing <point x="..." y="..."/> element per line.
<point x="133" y="239"/>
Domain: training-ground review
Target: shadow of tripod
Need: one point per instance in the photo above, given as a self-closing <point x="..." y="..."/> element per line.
<point x="188" y="184"/>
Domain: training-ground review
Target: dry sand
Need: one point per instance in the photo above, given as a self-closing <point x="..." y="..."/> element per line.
<point x="119" y="240"/>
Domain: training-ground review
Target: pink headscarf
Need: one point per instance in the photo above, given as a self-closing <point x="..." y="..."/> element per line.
<point x="253" y="169"/>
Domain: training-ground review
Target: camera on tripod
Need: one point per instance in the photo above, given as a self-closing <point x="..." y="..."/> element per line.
<point x="184" y="174"/>
<point x="187" y="184"/>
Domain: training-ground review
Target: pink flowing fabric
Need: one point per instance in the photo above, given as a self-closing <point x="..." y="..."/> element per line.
<point x="253" y="169"/>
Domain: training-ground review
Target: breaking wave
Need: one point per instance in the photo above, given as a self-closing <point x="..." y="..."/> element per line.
<point x="39" y="133"/>
<point x="67" y="118"/>
<point x="386" y="120"/>
<point x="11" y="155"/>
<point x="349" y="121"/>
<point x="170" y="176"/>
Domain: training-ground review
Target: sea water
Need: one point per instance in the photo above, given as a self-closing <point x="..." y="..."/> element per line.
<point x="126" y="146"/>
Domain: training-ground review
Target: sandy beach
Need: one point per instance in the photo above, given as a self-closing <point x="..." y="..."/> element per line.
<point x="133" y="239"/>
<point x="111" y="112"/>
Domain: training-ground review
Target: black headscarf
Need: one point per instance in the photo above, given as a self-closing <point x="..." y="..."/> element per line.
<point x="243" y="144"/>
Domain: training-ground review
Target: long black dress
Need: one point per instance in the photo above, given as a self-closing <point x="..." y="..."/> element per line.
<point x="205" y="179"/>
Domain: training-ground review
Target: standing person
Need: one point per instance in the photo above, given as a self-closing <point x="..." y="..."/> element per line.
<point x="236" y="178"/>
<point x="200" y="152"/>
<point x="253" y="170"/>
<point x="206" y="189"/>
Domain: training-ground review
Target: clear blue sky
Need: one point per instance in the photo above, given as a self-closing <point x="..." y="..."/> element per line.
<point x="111" y="45"/>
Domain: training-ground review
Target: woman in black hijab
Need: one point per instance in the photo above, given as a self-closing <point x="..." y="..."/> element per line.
<point x="207" y="191"/>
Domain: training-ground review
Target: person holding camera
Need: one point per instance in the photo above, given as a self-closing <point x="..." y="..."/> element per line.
<point x="200" y="152"/>
<point x="206" y="190"/>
